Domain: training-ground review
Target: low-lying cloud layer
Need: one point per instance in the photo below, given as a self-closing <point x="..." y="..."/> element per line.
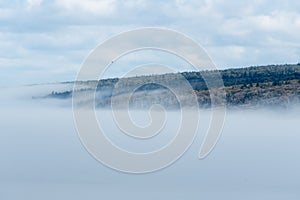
<point x="42" y="157"/>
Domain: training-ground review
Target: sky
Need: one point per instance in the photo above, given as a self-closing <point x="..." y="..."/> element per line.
<point x="44" y="41"/>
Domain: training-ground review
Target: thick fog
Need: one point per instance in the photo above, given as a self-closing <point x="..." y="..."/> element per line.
<point x="257" y="156"/>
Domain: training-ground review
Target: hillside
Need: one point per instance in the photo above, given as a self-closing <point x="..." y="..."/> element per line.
<point x="251" y="87"/>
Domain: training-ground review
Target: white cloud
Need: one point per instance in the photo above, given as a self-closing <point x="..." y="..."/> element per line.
<point x="134" y="4"/>
<point x="50" y="35"/>
<point x="98" y="7"/>
<point x="32" y="3"/>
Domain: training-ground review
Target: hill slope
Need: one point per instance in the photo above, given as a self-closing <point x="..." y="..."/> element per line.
<point x="274" y="85"/>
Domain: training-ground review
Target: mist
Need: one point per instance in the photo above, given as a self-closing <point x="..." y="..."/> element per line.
<point x="257" y="156"/>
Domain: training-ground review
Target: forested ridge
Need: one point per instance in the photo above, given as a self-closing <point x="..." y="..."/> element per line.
<point x="273" y="85"/>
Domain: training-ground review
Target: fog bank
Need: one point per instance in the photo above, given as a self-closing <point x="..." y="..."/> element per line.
<point x="43" y="158"/>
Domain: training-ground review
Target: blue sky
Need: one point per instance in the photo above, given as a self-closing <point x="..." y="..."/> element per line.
<point x="47" y="41"/>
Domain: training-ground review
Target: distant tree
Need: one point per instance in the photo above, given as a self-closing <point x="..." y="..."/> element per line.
<point x="276" y="83"/>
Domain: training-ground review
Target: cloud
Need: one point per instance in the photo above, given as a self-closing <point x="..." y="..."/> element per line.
<point x="98" y="7"/>
<point x="54" y="35"/>
<point x="32" y="3"/>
